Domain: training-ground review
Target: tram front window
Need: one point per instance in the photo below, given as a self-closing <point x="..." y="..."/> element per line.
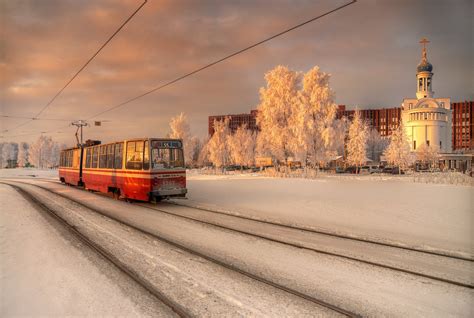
<point x="163" y="157"/>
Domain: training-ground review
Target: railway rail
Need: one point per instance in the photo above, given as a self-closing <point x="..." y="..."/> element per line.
<point x="319" y="250"/>
<point x="330" y="234"/>
<point x="175" y="306"/>
<point x="229" y="224"/>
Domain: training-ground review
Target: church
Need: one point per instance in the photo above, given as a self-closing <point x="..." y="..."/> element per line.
<point x="427" y="120"/>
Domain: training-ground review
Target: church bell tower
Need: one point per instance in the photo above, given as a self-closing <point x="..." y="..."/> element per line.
<point x="424" y="75"/>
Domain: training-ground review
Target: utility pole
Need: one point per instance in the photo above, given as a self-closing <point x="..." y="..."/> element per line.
<point x="79" y="124"/>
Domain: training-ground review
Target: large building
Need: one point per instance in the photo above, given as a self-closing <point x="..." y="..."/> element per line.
<point x="462" y="126"/>
<point x="427" y="119"/>
<point x="384" y="120"/>
<point x="235" y="121"/>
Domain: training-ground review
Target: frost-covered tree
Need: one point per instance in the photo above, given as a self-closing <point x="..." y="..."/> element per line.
<point x="41" y="152"/>
<point x="217" y="145"/>
<point x="9" y="151"/>
<point x="398" y="151"/>
<point x="312" y="119"/>
<point x="23" y="149"/>
<point x="376" y="144"/>
<point x="203" y="157"/>
<point x="357" y="142"/>
<point x="277" y="103"/>
<point x="196" y="146"/>
<point x="340" y="129"/>
<point x="242" y="145"/>
<point x="428" y="155"/>
<point x="180" y="130"/>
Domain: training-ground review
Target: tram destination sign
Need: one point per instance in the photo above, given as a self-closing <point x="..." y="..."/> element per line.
<point x="167" y="144"/>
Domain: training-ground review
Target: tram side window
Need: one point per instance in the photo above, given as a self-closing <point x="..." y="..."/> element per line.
<point x="110" y="156"/>
<point x="118" y="155"/>
<point x="88" y="157"/>
<point x="146" y="157"/>
<point x="134" y="155"/>
<point x="103" y="157"/>
<point x="95" y="157"/>
<point x="68" y="158"/>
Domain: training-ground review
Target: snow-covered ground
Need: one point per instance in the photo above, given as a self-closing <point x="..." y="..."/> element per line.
<point x="395" y="209"/>
<point x="390" y="208"/>
<point x="386" y="208"/>
<point x="29" y="173"/>
<point x="46" y="272"/>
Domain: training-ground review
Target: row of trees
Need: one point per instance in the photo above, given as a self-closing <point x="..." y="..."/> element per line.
<point x="297" y="121"/>
<point x="43" y="153"/>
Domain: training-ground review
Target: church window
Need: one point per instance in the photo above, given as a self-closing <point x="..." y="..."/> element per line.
<point x="440" y="144"/>
<point x="428" y="143"/>
<point x="414" y="144"/>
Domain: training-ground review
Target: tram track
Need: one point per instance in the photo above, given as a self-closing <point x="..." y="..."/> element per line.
<point x="175" y="306"/>
<point x="317" y="250"/>
<point x="330" y="234"/>
<point x="282" y="240"/>
<point x="447" y="254"/>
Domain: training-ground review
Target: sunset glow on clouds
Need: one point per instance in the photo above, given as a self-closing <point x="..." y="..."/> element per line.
<point x="370" y="48"/>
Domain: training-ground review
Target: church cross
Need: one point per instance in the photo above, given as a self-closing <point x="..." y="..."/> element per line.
<point x="424" y="41"/>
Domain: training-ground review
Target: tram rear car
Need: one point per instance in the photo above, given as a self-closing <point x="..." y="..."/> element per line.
<point x="139" y="169"/>
<point x="70" y="166"/>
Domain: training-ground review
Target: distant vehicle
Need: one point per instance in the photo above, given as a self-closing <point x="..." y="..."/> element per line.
<point x="339" y="170"/>
<point x="351" y="169"/>
<point x="139" y="169"/>
<point x="364" y="170"/>
<point x="387" y="170"/>
<point x="375" y="169"/>
<point x="396" y="170"/>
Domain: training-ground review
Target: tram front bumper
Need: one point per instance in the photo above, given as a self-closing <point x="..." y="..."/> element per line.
<point x="169" y="192"/>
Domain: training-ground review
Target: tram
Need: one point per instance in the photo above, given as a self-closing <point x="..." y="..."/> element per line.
<point x="143" y="169"/>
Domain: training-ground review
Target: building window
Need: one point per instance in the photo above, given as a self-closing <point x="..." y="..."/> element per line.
<point x="428" y="143"/>
<point x="414" y="144"/>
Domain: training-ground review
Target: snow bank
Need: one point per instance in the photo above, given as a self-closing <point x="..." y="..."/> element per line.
<point x="29" y="173"/>
<point x="388" y="208"/>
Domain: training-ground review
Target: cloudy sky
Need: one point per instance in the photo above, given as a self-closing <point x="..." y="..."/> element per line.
<point x="371" y="49"/>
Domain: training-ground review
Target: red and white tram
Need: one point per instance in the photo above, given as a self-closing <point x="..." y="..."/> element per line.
<point x="139" y="169"/>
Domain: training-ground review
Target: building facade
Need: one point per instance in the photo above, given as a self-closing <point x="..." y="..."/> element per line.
<point x="235" y="121"/>
<point x="462" y="126"/>
<point x="384" y="120"/>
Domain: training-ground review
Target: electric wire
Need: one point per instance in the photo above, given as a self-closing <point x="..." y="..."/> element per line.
<point x="171" y="82"/>
<point x="79" y="71"/>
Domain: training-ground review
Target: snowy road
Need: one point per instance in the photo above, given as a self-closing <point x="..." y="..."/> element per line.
<point x="45" y="271"/>
<point x="356" y="287"/>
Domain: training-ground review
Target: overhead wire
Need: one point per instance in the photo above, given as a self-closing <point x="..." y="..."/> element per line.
<point x="171" y="82"/>
<point x="79" y="71"/>
<point x="220" y="60"/>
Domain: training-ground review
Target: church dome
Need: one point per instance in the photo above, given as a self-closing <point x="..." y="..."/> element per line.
<point x="424" y="66"/>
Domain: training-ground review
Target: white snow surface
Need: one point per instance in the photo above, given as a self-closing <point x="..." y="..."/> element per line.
<point x="383" y="208"/>
<point x="44" y="272"/>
